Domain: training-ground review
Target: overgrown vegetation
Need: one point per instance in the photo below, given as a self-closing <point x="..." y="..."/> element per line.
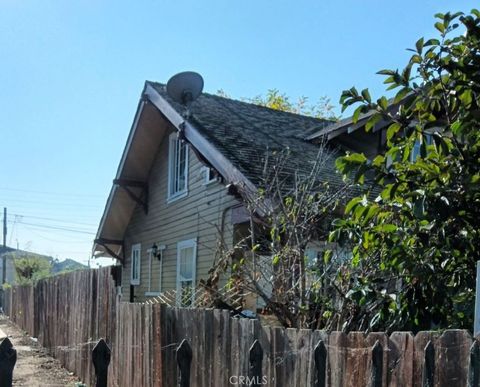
<point x="31" y="267"/>
<point x="415" y="246"/>
<point x="413" y="233"/>
<point x="288" y="215"/>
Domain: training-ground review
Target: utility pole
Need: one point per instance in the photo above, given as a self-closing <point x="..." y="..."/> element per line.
<point x="4" y="258"/>
<point x="4" y="227"/>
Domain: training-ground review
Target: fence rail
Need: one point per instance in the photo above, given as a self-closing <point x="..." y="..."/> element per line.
<point x="160" y="346"/>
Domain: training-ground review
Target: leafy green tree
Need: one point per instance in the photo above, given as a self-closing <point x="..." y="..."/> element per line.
<point x="415" y="230"/>
<point x="31" y="268"/>
<point x="274" y="99"/>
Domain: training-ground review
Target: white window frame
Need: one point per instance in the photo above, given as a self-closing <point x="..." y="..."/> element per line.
<point x="174" y="144"/>
<point x="151" y="258"/>
<point x="207" y="179"/>
<point x="315" y="249"/>
<point x="416" y="147"/>
<point x="189" y="243"/>
<point x="136" y="249"/>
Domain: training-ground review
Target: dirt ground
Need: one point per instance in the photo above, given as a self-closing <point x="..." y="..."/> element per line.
<point x="34" y="367"/>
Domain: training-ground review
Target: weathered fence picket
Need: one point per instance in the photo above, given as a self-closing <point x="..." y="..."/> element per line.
<point x="184" y="360"/>
<point x="8" y="358"/>
<point x="320" y="364"/>
<point x="256" y="360"/>
<point x="429" y="365"/>
<point x="474" y="365"/>
<point x="101" y="356"/>
<point x="377" y="365"/>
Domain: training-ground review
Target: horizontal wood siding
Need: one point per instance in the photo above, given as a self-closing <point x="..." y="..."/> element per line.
<point x="198" y="215"/>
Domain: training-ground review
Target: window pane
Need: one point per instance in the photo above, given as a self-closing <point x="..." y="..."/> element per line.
<point x="181" y="166"/>
<point x="135" y="259"/>
<point x="178" y="166"/>
<point x="186" y="263"/>
<point x="415" y="151"/>
<point x="137" y="273"/>
<point x="210" y="175"/>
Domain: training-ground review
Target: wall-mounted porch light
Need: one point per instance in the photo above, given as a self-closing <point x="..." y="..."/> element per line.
<point x="157" y="251"/>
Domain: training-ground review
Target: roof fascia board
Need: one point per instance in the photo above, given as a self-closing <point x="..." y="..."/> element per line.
<point x="347" y="124"/>
<point x="105" y="211"/>
<point x="104" y="217"/>
<point x="346" y="127"/>
<point x="339" y="128"/>
<point x="131" y="135"/>
<point x="213" y="155"/>
<point x="133" y="130"/>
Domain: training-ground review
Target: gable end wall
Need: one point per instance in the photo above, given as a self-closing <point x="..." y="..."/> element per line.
<point x="198" y="215"/>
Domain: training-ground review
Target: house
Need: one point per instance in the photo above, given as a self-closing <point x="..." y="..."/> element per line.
<point x="183" y="178"/>
<point x="12" y="256"/>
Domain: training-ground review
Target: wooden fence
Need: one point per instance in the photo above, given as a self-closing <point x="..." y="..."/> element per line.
<point x="70" y="313"/>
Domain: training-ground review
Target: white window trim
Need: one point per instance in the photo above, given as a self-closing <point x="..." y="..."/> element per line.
<point x="136" y="247"/>
<point x="206" y="181"/>
<point x="180" y="194"/>
<point x="185" y="245"/>
<point x="152" y="294"/>
<point x="417" y="145"/>
<point x="149" y="292"/>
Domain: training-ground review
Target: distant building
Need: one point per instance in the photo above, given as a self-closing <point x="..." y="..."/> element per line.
<point x="10" y="266"/>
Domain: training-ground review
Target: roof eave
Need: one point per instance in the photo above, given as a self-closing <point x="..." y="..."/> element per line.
<point x="347" y="124"/>
<point x="96" y="247"/>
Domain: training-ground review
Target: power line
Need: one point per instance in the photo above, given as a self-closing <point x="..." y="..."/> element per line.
<point x="51" y="193"/>
<point x="79" y="231"/>
<point x="85" y="214"/>
<point x="38" y="234"/>
<point x="55" y="220"/>
<point x="13" y="229"/>
<point x="54" y="203"/>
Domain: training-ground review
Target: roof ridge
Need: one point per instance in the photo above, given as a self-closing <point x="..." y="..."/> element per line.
<point x="323" y="120"/>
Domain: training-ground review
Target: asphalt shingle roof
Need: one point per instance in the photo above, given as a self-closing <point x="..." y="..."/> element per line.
<point x="244" y="132"/>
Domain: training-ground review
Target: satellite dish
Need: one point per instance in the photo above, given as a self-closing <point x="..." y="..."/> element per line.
<point x="185" y="87"/>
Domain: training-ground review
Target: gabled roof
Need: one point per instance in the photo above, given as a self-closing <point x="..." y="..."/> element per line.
<point x="230" y="135"/>
<point x="243" y="131"/>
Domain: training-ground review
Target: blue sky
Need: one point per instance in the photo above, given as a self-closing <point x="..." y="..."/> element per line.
<point x="71" y="73"/>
